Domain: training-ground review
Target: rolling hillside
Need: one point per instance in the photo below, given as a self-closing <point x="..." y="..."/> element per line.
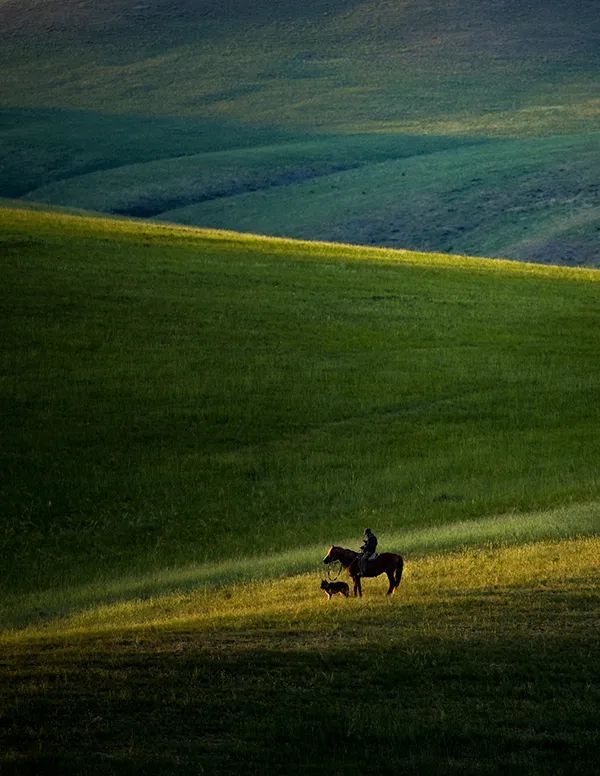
<point x="207" y="113"/>
<point x="246" y="313"/>
<point x="191" y="417"/>
<point x="174" y="394"/>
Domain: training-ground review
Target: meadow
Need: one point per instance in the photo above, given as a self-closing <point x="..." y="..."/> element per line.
<point x="174" y="394"/>
<point x="191" y="417"/>
<point x="455" y="126"/>
<point x="526" y="199"/>
<point x="452" y="66"/>
<point x="487" y="661"/>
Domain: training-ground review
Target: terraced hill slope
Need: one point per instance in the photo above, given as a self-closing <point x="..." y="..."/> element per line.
<point x="182" y="110"/>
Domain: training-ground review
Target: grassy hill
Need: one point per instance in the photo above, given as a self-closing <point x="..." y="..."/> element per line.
<point x="179" y="110"/>
<point x="175" y="394"/>
<point x="467" y="67"/>
<point x="192" y="417"/>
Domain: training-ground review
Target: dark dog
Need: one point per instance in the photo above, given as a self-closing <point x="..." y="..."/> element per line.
<point x="332" y="588"/>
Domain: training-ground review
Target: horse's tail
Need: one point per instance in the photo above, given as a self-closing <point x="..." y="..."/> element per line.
<point x="398" y="574"/>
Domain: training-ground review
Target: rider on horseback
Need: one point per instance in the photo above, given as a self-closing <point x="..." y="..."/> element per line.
<point x="369" y="546"/>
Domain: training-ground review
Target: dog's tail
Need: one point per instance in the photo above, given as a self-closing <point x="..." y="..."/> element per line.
<point x="398" y="574"/>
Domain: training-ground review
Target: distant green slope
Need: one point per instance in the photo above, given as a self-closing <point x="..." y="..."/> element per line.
<point x="42" y="146"/>
<point x="172" y="396"/>
<point x="122" y="107"/>
<point x="527" y="199"/>
<point x="152" y="188"/>
<point x="512" y="67"/>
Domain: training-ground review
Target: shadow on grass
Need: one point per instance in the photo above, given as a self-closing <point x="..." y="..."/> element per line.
<point x="452" y="688"/>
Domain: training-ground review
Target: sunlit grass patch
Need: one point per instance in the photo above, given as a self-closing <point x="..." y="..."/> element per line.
<point x="468" y="575"/>
<point x="132" y="596"/>
<point x="486" y="657"/>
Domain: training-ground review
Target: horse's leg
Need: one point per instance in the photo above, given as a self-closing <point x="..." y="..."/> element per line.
<point x="356" y="581"/>
<point x="398" y="575"/>
<point x="392" y="586"/>
<point x="359" y="587"/>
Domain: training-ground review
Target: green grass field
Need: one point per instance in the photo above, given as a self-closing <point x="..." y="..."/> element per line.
<point x="485" y="662"/>
<point x="191" y="417"/>
<point x="528" y="199"/>
<point x="522" y="67"/>
<point x="315" y="120"/>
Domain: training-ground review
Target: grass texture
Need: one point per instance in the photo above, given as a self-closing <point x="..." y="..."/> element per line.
<point x="468" y="68"/>
<point x="314" y="120"/>
<point x="173" y="395"/>
<point x="483" y="660"/>
<point x="191" y="417"/>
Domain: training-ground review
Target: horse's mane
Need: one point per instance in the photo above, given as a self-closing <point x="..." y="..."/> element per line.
<point x="343" y="549"/>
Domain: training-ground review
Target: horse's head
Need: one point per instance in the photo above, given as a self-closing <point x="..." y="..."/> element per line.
<point x="332" y="554"/>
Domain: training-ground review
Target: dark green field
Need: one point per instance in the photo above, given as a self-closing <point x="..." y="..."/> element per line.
<point x="467" y="127"/>
<point x="190" y="419"/>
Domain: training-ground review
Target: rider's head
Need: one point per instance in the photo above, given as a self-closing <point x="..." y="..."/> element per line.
<point x="368" y="531"/>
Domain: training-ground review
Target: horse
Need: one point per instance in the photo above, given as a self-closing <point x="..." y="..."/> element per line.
<point x="387" y="563"/>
